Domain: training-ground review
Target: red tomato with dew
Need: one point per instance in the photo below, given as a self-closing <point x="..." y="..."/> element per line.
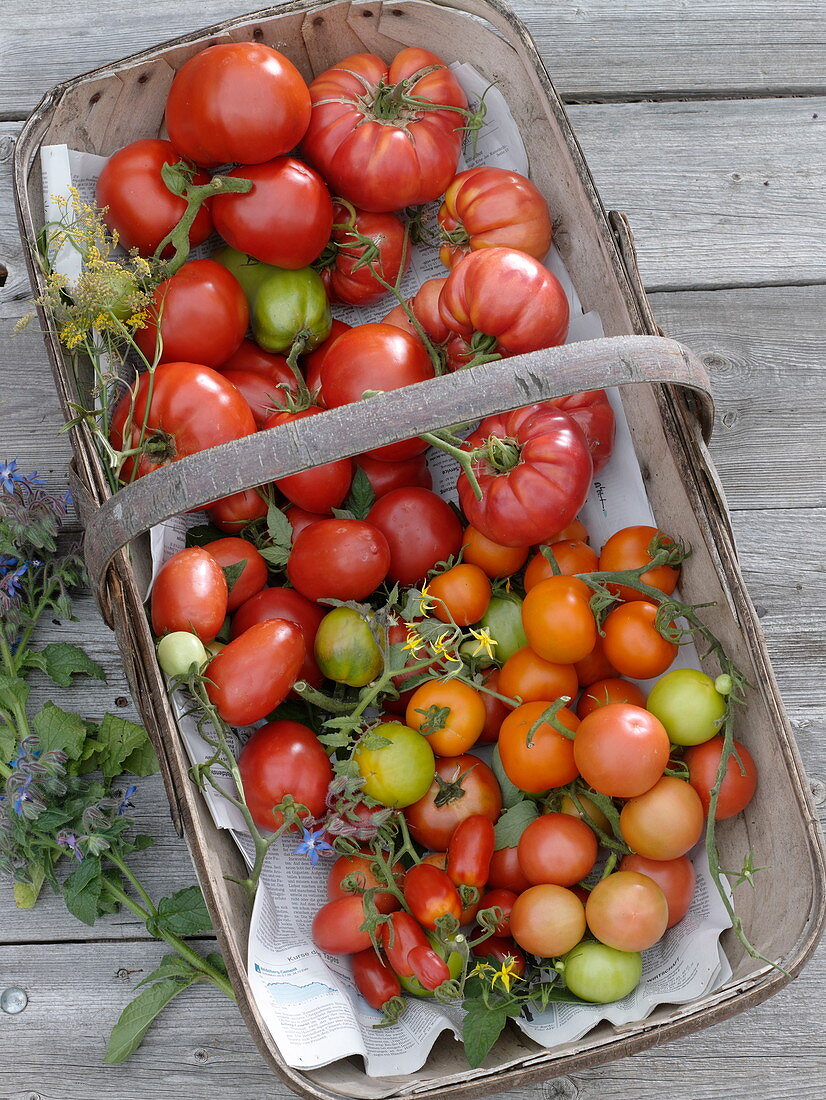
<point x="421" y="529"/>
<point x="279" y="759"/>
<point x="342" y="559"/>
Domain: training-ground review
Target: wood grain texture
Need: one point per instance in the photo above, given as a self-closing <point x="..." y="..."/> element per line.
<point x="199" y="1049"/>
<point x="595" y="49"/>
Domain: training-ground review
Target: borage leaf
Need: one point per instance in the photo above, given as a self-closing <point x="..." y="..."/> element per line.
<point x="62" y="661"/>
<point x="135" y="1020"/>
<point x="184" y="913"/>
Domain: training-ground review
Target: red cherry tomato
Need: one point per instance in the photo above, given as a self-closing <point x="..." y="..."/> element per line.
<point x="421" y="529"/>
<point x="351" y="278"/>
<point x="190" y="593"/>
<point x="321" y="488"/>
<point x="342" y="559"/>
<point x="252" y="675"/>
<point x="138" y="205"/>
<point x="201" y="313"/>
<point x="286" y="218"/>
<point x="233" y="513"/>
<point x="505" y="872"/>
<point x="501" y="949"/>
<point x="280" y="759"/>
<point x="337" y="927"/>
<point x="237" y="102"/>
<point x="501" y="899"/>
<point x="190" y="408"/>
<point x="432" y="825"/>
<point x="738" y="786"/>
<point x="557" y="848"/>
<point x="621" y="750"/>
<point x="386" y="476"/>
<point x="285" y="603"/>
<point x="252" y="578"/>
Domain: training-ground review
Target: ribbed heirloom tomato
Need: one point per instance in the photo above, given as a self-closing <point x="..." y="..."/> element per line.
<point x="370" y="137"/>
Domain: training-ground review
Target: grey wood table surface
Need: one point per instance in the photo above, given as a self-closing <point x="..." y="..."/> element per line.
<point x="703" y="122"/>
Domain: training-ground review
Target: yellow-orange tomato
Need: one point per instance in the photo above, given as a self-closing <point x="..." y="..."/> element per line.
<point x="665" y="822"/>
<point x="572" y="556"/>
<point x="628" y="549"/>
<point x="549" y="759"/>
<point x="461" y="594"/>
<point x="632" y="642"/>
<point x="611" y="690"/>
<point x="494" y="560"/>
<point x="450" y="715"/>
<point x="576" y="529"/>
<point x="529" y="677"/>
<point x="558" y="621"/>
<point x="595" y="666"/>
<point x="547" y="920"/>
<point x="627" y="911"/>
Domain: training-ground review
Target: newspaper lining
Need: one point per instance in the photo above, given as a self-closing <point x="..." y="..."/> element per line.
<point x="308" y="998"/>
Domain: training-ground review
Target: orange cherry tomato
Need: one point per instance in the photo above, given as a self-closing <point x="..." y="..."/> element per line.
<point x="675" y="877"/>
<point x="595" y="666"/>
<point x="494" y="560"/>
<point x="451" y="715"/>
<point x="665" y="822"/>
<point x="558" y="621"/>
<point x="628" y="549"/>
<point x="572" y="556"/>
<point x="611" y="690"/>
<point x="549" y="759"/>
<point x="591" y="813"/>
<point x="627" y="911"/>
<point x="576" y="529"/>
<point x="460" y="594"/>
<point x="547" y="920"/>
<point x="633" y="644"/>
<point x="527" y="676"/>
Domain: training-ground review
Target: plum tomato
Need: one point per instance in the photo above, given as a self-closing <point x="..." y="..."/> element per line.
<point x="430" y="894"/>
<point x="689" y="705"/>
<point x="245" y="565"/>
<point x="627" y="911"/>
<point x="739" y="783"/>
<point x="547" y="920"/>
<point x="254" y="673"/>
<point x="190" y="593"/>
<point x="621" y="750"/>
<point x="463" y="786"/>
<point x="397" y="773"/>
<point x="632" y="642"/>
<point x="336" y="927"/>
<point x="374" y="979"/>
<point x="469" y="851"/>
<point x="284" y="603"/>
<point x="548" y="761"/>
<point x="279" y="759"/>
<point x="421" y="529"/>
<point x="342" y="559"/>
<point x="558" y="620"/>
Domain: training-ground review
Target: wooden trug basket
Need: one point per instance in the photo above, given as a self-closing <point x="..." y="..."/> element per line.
<point x="101" y="112"/>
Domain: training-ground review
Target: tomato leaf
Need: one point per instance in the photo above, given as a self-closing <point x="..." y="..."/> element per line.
<point x="280" y="534"/>
<point x="511" y="794"/>
<point x="135" y="1020"/>
<point x="203" y="534"/>
<point x="233" y="572"/>
<point x="513" y="822"/>
<point x="361" y="498"/>
<point x="481" y="1027"/>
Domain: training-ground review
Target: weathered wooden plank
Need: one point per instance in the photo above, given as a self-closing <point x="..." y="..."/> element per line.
<point x="594" y="49"/>
<point x="199" y="1049"/>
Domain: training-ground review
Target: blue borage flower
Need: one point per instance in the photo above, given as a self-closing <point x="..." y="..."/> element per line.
<point x="9" y="475"/>
<point x="69" y="840"/>
<point x="313" y="845"/>
<point x="124" y="803"/>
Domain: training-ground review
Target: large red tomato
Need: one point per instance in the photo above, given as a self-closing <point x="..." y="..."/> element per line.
<point x="321" y="488"/>
<point x="488" y="207"/>
<point x="375" y="357"/>
<point x="312" y="362"/>
<point x="202" y="315"/>
<point x="237" y="102"/>
<point x="284" y="758"/>
<point x="190" y="408"/>
<point x="534" y="485"/>
<point x="252" y="675"/>
<point x="467" y="787"/>
<point x="350" y="277"/>
<point x="341" y="559"/>
<point x="285" y="603"/>
<point x="508" y="296"/>
<point x="136" y="202"/>
<point x="233" y="513"/>
<point x="263" y="395"/>
<point x="372" y="139"/>
<point x="249" y="357"/>
<point x="421" y="529"/>
<point x="593" y="412"/>
<point x="286" y="218"/>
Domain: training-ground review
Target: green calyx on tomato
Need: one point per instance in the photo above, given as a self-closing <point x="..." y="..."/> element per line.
<point x="399" y="769"/>
<point x="346" y="650"/>
<point x="503" y="621"/>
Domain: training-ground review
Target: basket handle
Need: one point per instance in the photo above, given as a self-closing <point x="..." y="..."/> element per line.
<point x="197" y="480"/>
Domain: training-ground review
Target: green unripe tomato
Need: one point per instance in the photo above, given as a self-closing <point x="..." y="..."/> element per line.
<point x="688" y="705"/>
<point x="601" y="974"/>
<point x="249" y="272"/>
<point x="503" y="619"/>
<point x="399" y="773"/>
<point x="453" y="959"/>
<point x="289" y="304"/>
<point x="346" y="650"/>
<point x="179" y="651"/>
